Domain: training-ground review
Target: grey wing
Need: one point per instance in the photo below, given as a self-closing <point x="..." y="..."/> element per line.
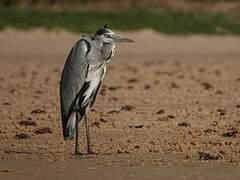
<point x="73" y="77"/>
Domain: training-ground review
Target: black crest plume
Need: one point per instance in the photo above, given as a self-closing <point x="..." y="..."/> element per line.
<point x="105" y="26"/>
<point x="102" y="30"/>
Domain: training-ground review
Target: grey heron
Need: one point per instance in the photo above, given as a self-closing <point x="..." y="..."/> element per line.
<point x="81" y="79"/>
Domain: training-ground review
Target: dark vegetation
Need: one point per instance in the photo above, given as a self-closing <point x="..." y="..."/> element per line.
<point x="75" y="16"/>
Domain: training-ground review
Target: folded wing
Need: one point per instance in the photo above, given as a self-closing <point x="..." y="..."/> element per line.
<point x="73" y="77"/>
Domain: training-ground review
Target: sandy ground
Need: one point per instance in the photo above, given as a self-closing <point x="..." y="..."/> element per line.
<point x="166" y="102"/>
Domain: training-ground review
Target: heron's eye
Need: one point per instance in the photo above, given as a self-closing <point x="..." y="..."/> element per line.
<point x="106" y="44"/>
<point x="107" y="35"/>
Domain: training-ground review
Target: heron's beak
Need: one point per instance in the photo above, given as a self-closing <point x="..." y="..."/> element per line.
<point x="119" y="39"/>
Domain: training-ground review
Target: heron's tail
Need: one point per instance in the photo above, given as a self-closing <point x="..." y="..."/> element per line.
<point x="71" y="127"/>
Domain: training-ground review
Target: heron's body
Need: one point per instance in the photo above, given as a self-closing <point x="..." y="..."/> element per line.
<point x="81" y="79"/>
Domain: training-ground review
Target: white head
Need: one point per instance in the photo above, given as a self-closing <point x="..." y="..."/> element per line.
<point x="106" y="35"/>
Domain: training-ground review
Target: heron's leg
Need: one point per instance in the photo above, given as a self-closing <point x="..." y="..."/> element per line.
<point x="77" y="152"/>
<point x="87" y="119"/>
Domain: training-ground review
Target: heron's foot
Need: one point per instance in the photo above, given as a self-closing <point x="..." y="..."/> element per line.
<point x="78" y="153"/>
<point x="91" y="152"/>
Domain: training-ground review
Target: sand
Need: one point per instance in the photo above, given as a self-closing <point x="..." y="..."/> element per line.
<point x="167" y="103"/>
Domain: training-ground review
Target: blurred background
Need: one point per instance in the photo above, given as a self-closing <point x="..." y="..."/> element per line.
<point x="223" y="5"/>
<point x="166" y="16"/>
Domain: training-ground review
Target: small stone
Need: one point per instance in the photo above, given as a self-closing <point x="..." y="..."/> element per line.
<point x="113" y="88"/>
<point x="102" y="120"/>
<point x="119" y="151"/>
<point x="201" y="69"/>
<point x="6" y="103"/>
<point x="137" y="147"/>
<point x="231" y="133"/>
<point x="207" y="86"/>
<point x="170" y="116"/>
<point x="21" y="136"/>
<point x="221" y="112"/>
<point x="184" y="124"/>
<point x="96" y="124"/>
<point x="27" y="123"/>
<point x="132" y="80"/>
<point x="214" y="123"/>
<point x="161" y="111"/>
<point x="147" y="87"/>
<point x="163" y="119"/>
<point x="209" y="130"/>
<point x="174" y="85"/>
<point x="217" y="72"/>
<point x="38" y="111"/>
<point x="208" y="155"/>
<point x="127" y="108"/>
<point x="139" y="126"/>
<point x="218" y="92"/>
<point x="44" y="130"/>
<point x="152" y="142"/>
<point x="113" y="111"/>
<point x="237" y="105"/>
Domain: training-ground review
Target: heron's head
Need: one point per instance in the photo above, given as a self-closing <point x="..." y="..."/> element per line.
<point x="106" y="35"/>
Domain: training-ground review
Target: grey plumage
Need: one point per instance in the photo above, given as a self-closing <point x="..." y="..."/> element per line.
<point x="73" y="78"/>
<point x="81" y="79"/>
